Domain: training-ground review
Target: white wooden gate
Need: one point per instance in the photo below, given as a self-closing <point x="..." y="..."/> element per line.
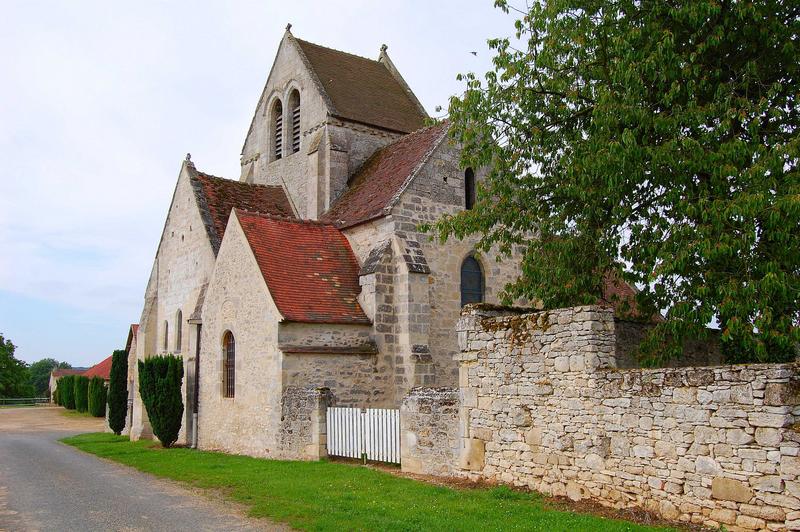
<point x="370" y="434"/>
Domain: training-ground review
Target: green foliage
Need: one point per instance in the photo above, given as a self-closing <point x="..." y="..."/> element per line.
<point x="81" y="387"/>
<point x="118" y="391"/>
<point x="97" y="397"/>
<point x="334" y="496"/>
<point x="66" y="391"/>
<point x="14" y="373"/>
<point x="655" y="140"/>
<point x="40" y="374"/>
<point x="160" y="387"/>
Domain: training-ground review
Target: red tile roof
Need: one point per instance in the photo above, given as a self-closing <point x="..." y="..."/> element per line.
<point x="60" y="372"/>
<point x="383" y="176"/>
<point x="101" y="369"/>
<point x="217" y="197"/>
<point x="309" y="267"/>
<point x="622" y="297"/>
<point x="363" y="90"/>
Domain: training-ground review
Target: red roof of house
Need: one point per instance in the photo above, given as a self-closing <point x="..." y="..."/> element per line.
<point x="383" y="176"/>
<point x="101" y="369"/>
<point x="217" y="197"/>
<point x="60" y="372"/>
<point x="309" y="268"/>
<point x="620" y="295"/>
<point x="363" y="90"/>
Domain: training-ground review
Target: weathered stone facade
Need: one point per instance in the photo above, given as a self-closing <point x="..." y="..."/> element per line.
<point x="544" y="406"/>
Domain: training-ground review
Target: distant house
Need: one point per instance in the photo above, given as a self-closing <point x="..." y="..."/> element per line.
<point x="102" y="369"/>
<point x="56" y="374"/>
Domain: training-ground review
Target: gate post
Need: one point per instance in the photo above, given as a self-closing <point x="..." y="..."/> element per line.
<point x="318" y="448"/>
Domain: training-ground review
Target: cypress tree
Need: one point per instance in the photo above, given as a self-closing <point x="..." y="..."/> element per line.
<point x="160" y="380"/>
<point x="97" y="397"/>
<point x="66" y="386"/>
<point x="81" y="393"/>
<point x="118" y="391"/>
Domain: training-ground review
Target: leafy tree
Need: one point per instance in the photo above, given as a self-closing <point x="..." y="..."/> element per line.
<point x="654" y="140"/>
<point x="160" y="380"/>
<point x="66" y="391"/>
<point x="118" y="391"/>
<point x="97" y="397"/>
<point x="40" y="373"/>
<point x="81" y="393"/>
<point x="14" y="373"/>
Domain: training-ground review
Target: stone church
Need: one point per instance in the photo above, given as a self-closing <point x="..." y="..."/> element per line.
<point x="307" y="279"/>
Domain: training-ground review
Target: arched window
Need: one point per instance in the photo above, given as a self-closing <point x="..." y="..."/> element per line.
<point x="471" y="281"/>
<point x="277" y="129"/>
<point x="229" y="364"/>
<point x="294" y="110"/>
<point x="178" y="331"/>
<point x="469" y="188"/>
<point x="166" y="335"/>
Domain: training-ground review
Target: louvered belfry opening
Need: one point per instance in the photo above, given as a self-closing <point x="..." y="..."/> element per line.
<point x="277" y="114"/>
<point x="229" y="365"/>
<point x="294" y="106"/>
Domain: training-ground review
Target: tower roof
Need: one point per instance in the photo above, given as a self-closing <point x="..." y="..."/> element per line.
<point x="364" y="90"/>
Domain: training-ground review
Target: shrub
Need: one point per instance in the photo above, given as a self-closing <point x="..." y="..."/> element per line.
<point x="66" y="385"/>
<point x="97" y="397"/>
<point x="160" y="387"/>
<point x="118" y="391"/>
<point x="81" y="393"/>
<point x="56" y="396"/>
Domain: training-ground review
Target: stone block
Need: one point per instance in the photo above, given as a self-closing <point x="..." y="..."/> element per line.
<point x="706" y="465"/>
<point x="534" y="436"/>
<point x="729" y="489"/>
<point x="770" y="483"/>
<point x="750" y="523"/>
<point x="781" y="393"/>
<point x="473" y="455"/>
<point x="723" y="515"/>
<point x="768" y="437"/>
<point x="764" y="419"/>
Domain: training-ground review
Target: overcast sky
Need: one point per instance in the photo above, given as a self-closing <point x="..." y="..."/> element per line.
<point x="100" y="102"/>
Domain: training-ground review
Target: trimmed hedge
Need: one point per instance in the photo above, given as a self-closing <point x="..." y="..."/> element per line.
<point x="118" y="391"/>
<point x="56" y="396"/>
<point x="81" y="393"/>
<point x="160" y="387"/>
<point x="66" y="387"/>
<point x="97" y="397"/>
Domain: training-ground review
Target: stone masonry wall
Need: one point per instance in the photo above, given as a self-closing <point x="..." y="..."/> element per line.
<point x="545" y="407"/>
<point x="429" y="430"/>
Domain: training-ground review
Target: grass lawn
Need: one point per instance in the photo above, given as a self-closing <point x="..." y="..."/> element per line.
<point x="335" y="496"/>
<point x="75" y="413"/>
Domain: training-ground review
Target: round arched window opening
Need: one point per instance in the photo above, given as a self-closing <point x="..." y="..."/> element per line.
<point x="472" y="281"/>
<point x="229" y="364"/>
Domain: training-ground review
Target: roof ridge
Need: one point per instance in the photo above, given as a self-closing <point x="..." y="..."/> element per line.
<point x="205" y="174"/>
<point x="299" y="221"/>
<point x="340" y="51"/>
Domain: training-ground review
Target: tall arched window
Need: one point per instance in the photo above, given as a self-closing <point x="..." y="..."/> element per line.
<point x="294" y="113"/>
<point x="166" y="335"/>
<point x="277" y="129"/>
<point x="229" y="364"/>
<point x="471" y="281"/>
<point x="178" y="331"/>
<point x="469" y="188"/>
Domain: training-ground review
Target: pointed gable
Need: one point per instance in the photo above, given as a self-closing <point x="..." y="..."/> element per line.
<point x="363" y="90"/>
<point x="217" y="197"/>
<point x="309" y="268"/>
<point x="375" y="186"/>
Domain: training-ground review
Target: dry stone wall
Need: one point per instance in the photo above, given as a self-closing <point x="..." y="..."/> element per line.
<point x="543" y="405"/>
<point x="430" y="430"/>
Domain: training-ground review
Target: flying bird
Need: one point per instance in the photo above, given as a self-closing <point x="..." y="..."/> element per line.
<point x="474" y="53"/>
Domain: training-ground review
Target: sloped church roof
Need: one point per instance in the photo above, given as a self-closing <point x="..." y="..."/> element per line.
<point x="364" y="90"/>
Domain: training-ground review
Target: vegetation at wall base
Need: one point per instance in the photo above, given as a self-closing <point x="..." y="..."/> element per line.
<point x="118" y="391"/>
<point x="66" y="387"/>
<point x="657" y="141"/>
<point x="335" y="496"/>
<point x="97" y="397"/>
<point x="81" y="393"/>
<point x="160" y="380"/>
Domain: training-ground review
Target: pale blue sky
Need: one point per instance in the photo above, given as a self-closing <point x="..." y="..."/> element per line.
<point x="99" y="103"/>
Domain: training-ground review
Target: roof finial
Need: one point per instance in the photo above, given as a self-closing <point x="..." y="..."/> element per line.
<point x="384" y="48"/>
<point x="289" y="27"/>
<point x="188" y="157"/>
